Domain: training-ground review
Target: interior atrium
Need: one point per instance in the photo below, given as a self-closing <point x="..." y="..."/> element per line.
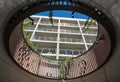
<point x="36" y="48"/>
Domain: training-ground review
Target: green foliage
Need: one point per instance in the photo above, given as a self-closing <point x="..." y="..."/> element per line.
<point x="27" y="37"/>
<point x="63" y="64"/>
<point x="32" y="44"/>
<point x="88" y="24"/>
<point x="26" y="24"/>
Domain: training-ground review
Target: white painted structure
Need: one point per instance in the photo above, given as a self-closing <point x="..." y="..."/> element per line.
<point x="64" y="38"/>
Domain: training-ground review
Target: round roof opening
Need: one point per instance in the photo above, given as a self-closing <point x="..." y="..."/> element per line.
<point x="57" y="47"/>
<point x="59" y="34"/>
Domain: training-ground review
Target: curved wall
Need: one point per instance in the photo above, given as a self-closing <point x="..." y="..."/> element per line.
<point x="108" y="73"/>
<point x="38" y="65"/>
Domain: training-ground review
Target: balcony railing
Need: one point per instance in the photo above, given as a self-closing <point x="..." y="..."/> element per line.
<point x="56" y="30"/>
<point x="48" y="23"/>
<point x="71" y="40"/>
<point x="46" y="50"/>
<point x="69" y="31"/>
<point x="71" y="52"/>
<point x="61" y="24"/>
<point x="29" y="28"/>
<point x="48" y="30"/>
<point x="45" y="38"/>
<point x="90" y="40"/>
<point x="61" y="51"/>
<point x="91" y="32"/>
<point x="68" y="24"/>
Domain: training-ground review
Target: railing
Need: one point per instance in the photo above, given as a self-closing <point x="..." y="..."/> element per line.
<point x="71" y="52"/>
<point x="46" y="50"/>
<point x="61" y="30"/>
<point x="56" y="23"/>
<point x="48" y="30"/>
<point x="71" y="40"/>
<point x="95" y="26"/>
<point x="48" y="23"/>
<point x="45" y="38"/>
<point x="29" y="28"/>
<point x="61" y="51"/>
<point x="90" y="32"/>
<point x="69" y="31"/>
<point x="90" y="40"/>
<point x="68" y="24"/>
